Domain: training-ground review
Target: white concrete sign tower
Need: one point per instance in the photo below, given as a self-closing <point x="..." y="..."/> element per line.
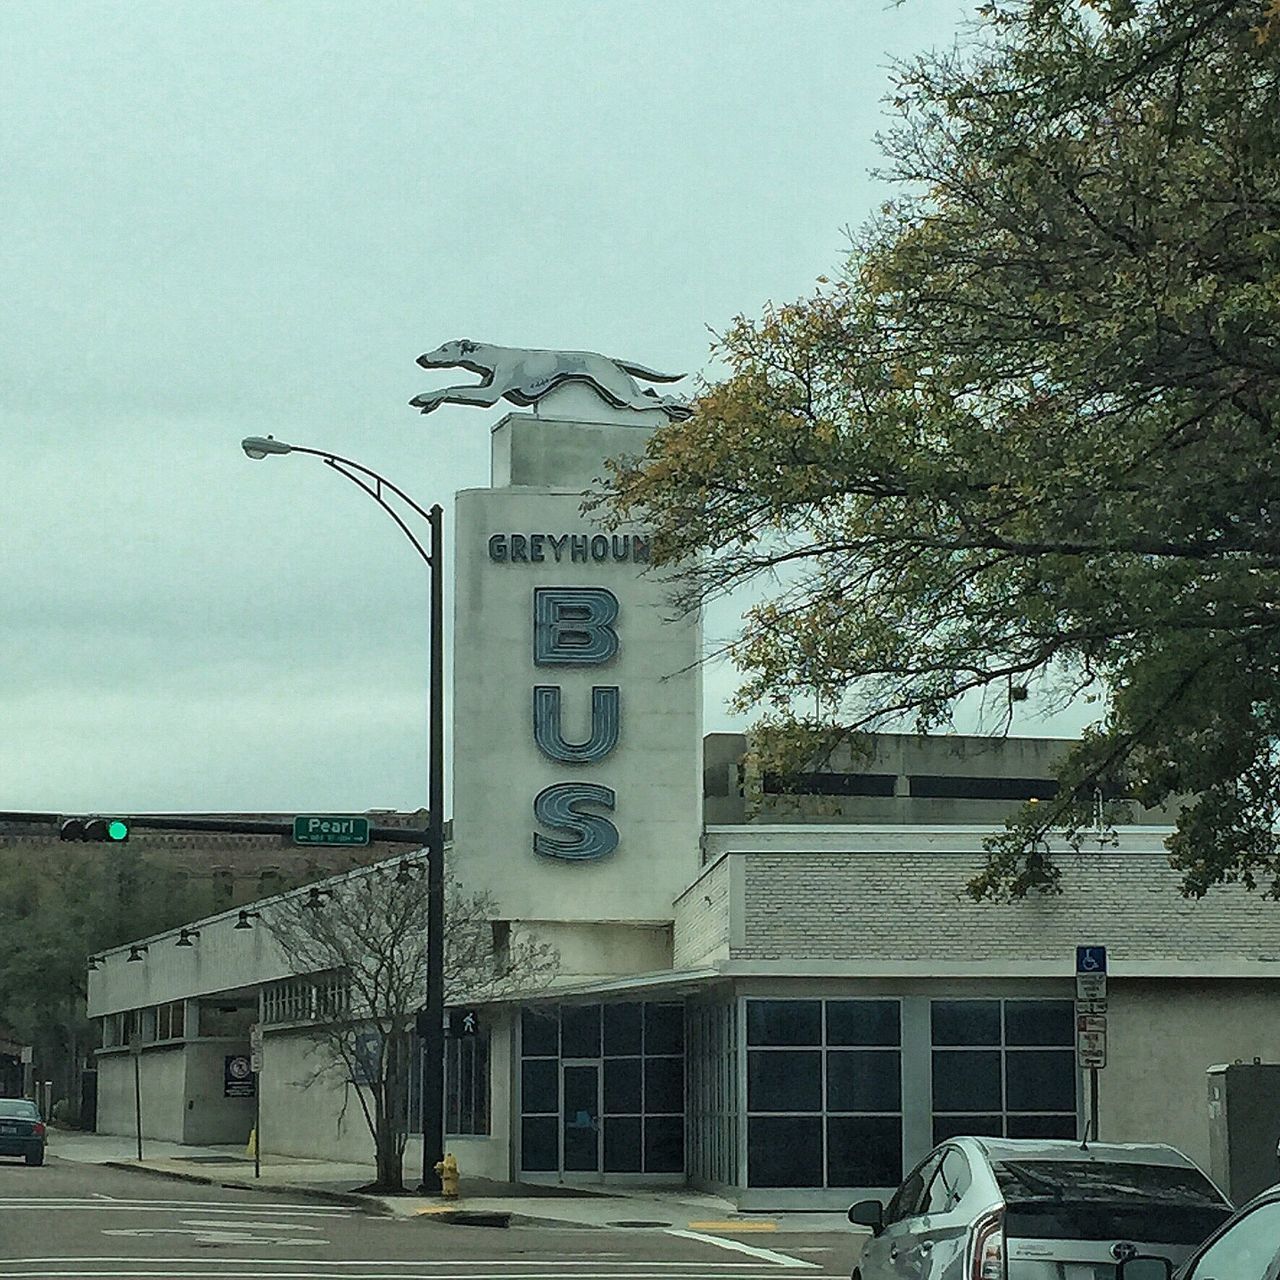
<point x="577" y="696"/>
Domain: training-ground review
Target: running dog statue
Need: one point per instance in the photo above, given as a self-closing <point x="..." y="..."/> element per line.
<point x="525" y="376"/>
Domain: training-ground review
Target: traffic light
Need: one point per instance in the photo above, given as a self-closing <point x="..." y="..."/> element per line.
<point x="110" y="830"/>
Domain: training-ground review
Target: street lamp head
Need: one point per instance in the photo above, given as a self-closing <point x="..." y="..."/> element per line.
<point x="259" y="446"/>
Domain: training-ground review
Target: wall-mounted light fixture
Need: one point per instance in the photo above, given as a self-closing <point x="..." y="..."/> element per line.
<point x="135" y="952"/>
<point x="184" y="938"/>
<point x="407" y="870"/>
<point x="95" y="961"/>
<point x="316" y="898"/>
<point x="245" y="917"/>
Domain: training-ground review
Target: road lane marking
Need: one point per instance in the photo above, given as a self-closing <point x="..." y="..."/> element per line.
<point x="767" y="1255"/>
<point x="744" y="1225"/>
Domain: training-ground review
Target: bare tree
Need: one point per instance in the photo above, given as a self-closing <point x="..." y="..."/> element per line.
<point x="362" y="943"/>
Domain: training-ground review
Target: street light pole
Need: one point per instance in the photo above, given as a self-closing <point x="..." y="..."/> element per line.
<point x="433" y="1013"/>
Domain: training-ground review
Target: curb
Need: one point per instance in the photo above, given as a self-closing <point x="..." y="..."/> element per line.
<point x="367" y="1204"/>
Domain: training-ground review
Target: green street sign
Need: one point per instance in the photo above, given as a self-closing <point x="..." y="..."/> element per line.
<point x="329" y="828"/>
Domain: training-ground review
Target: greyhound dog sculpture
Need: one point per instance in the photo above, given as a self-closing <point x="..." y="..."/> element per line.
<point x="524" y="376"/>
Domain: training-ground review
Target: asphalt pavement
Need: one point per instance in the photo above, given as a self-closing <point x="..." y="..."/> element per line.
<point x="78" y="1220"/>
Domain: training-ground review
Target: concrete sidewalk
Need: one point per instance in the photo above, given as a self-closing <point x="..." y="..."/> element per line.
<point x="523" y="1204"/>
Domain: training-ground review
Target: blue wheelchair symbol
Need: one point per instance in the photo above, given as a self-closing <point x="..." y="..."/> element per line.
<point x="1091" y="959"/>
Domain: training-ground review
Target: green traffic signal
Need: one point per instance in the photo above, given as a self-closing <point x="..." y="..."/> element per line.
<point x="113" y="830"/>
<point x="117" y="830"/>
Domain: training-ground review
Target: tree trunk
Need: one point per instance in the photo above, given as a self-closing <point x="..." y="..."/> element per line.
<point x="387" y="1150"/>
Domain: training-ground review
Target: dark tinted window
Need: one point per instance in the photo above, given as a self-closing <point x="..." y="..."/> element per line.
<point x="622" y="1145"/>
<point x="1063" y="1126"/>
<point x="539" y="1085"/>
<point x="784" y="1022"/>
<point x="965" y="1080"/>
<point x="19" y="1107"/>
<point x="1103" y="1199"/>
<point x="966" y="1022"/>
<point x="784" y="1151"/>
<point x="864" y="1080"/>
<point x="664" y="1084"/>
<point x="664" y="1028"/>
<point x="1040" y="1080"/>
<point x="622" y="1086"/>
<point x="864" y="1151"/>
<point x="784" y="1081"/>
<point x="540" y="1144"/>
<point x="539" y="1034"/>
<point x="1034" y="1022"/>
<point x="945" y="1127"/>
<point x="622" y="1023"/>
<point x="664" y="1144"/>
<point x="580" y="1031"/>
<point x="854" y="1022"/>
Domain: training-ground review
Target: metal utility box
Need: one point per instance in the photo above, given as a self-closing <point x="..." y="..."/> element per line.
<point x="1244" y="1127"/>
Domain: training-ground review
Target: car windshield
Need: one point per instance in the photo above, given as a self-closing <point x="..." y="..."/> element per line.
<point x="12" y="1107"/>
<point x="1107" y="1200"/>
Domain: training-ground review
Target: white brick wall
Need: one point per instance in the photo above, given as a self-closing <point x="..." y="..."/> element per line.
<point x="908" y="906"/>
<point x="701" y="934"/>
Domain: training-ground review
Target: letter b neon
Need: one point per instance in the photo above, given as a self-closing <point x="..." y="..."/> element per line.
<point x="573" y="626"/>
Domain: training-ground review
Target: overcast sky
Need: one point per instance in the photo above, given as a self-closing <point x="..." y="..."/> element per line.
<point x="222" y="219"/>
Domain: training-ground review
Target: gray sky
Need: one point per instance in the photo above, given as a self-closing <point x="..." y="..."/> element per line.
<point x="223" y="219"/>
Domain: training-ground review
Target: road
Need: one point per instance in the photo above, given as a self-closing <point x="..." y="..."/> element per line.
<point x="85" y="1221"/>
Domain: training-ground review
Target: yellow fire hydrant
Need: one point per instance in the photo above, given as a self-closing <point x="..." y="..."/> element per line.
<point x="448" y="1171"/>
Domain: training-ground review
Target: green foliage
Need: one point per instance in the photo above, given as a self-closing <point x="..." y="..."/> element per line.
<point x="58" y="906"/>
<point x="1027" y="439"/>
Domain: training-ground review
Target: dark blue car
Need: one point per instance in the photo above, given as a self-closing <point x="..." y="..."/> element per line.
<point x="21" y="1130"/>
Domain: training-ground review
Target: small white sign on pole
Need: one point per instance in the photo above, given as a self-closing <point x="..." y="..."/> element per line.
<point x="1091" y="1040"/>
<point x="1091" y="986"/>
<point x="255" y="1047"/>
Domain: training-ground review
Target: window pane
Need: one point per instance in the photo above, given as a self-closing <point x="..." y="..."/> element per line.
<point x="784" y="1081"/>
<point x="480" y="1100"/>
<point x="664" y="1085"/>
<point x="664" y="1144"/>
<point x="1063" y="1126"/>
<point x="663" y="1028"/>
<point x="540" y="1086"/>
<point x="784" y="1022"/>
<point x="863" y="1022"/>
<point x="1039" y="1022"/>
<point x="539" y="1144"/>
<point x="966" y="1021"/>
<point x="1247" y="1250"/>
<point x="539" y="1033"/>
<point x="945" y="1127"/>
<point x="622" y="1086"/>
<point x="966" y="1080"/>
<point x="1041" y="1080"/>
<point x="784" y="1151"/>
<point x="622" y="1023"/>
<point x="867" y="1081"/>
<point x="864" y="1151"/>
<point x="622" y="1148"/>
<point x="580" y="1031"/>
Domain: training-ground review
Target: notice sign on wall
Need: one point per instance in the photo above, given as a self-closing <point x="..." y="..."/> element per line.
<point x="237" y="1076"/>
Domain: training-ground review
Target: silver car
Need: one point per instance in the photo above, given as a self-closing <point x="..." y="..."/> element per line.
<point x="1031" y="1209"/>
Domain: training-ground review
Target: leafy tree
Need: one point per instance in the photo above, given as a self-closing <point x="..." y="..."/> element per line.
<point x="1026" y="441"/>
<point x="364" y="938"/>
<point x="54" y="913"/>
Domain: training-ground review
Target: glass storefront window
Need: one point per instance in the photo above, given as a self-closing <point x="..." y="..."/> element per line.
<point x="823" y="1109"/>
<point x="1004" y="1068"/>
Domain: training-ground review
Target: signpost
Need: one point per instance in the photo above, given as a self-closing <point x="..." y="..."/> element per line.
<point x="1091" y="1023"/>
<point x="330" y="828"/>
<point x="255" y="1065"/>
<point x="135" y="1047"/>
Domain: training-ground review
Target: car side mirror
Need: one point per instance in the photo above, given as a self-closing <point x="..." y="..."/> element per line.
<point x="1145" y="1268"/>
<point x="870" y="1213"/>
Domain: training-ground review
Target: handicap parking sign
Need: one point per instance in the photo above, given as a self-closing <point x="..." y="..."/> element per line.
<point x="1091" y="960"/>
